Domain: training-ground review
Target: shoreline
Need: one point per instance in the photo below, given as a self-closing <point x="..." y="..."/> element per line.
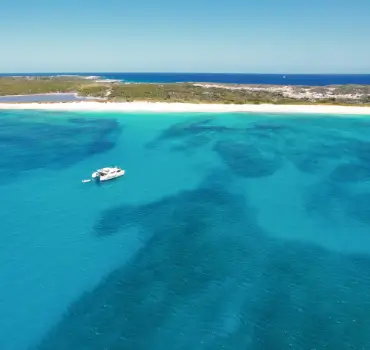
<point x="185" y="107"/>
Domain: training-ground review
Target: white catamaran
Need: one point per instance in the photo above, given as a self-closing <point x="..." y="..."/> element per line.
<point x="108" y="173"/>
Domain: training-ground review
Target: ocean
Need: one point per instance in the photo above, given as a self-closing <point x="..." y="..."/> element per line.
<point x="228" y="231"/>
<point x="240" y="78"/>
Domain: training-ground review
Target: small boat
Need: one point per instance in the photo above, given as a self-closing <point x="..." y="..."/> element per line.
<point x="108" y="173"/>
<point x="88" y="180"/>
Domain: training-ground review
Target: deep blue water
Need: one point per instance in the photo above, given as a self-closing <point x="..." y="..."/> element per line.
<point x="228" y="231"/>
<point x="278" y="79"/>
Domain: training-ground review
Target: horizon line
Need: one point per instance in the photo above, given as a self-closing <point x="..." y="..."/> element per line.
<point x="186" y="73"/>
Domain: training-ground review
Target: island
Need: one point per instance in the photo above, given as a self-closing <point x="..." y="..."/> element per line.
<point x="220" y="96"/>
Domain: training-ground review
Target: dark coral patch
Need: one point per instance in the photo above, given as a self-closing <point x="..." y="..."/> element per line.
<point x="38" y="143"/>
<point x="192" y="205"/>
<point x="359" y="207"/>
<point x="249" y="159"/>
<point x="191" y="134"/>
<point x="351" y="172"/>
<point x="209" y="272"/>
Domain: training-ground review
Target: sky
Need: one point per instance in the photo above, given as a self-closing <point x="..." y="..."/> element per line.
<point x="264" y="36"/>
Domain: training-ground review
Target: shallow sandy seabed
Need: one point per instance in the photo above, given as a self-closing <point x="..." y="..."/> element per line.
<point x="187" y="107"/>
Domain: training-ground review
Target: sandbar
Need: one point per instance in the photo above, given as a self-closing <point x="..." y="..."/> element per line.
<point x="164" y="107"/>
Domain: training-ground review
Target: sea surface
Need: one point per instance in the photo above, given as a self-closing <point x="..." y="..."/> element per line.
<point x="228" y="231"/>
<point x="241" y="78"/>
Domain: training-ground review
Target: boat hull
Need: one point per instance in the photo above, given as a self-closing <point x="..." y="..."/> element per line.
<point x="111" y="176"/>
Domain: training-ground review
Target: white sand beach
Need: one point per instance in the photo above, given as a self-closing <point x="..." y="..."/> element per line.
<point x="186" y="107"/>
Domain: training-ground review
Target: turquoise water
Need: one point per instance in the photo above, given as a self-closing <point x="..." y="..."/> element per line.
<point x="228" y="231"/>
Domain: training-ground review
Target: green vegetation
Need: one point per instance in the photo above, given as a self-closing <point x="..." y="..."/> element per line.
<point x="181" y="92"/>
<point x="170" y="93"/>
<point x="186" y="92"/>
<point x="94" y="90"/>
<point x="40" y="85"/>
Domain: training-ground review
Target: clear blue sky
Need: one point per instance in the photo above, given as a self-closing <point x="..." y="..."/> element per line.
<point x="264" y="36"/>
